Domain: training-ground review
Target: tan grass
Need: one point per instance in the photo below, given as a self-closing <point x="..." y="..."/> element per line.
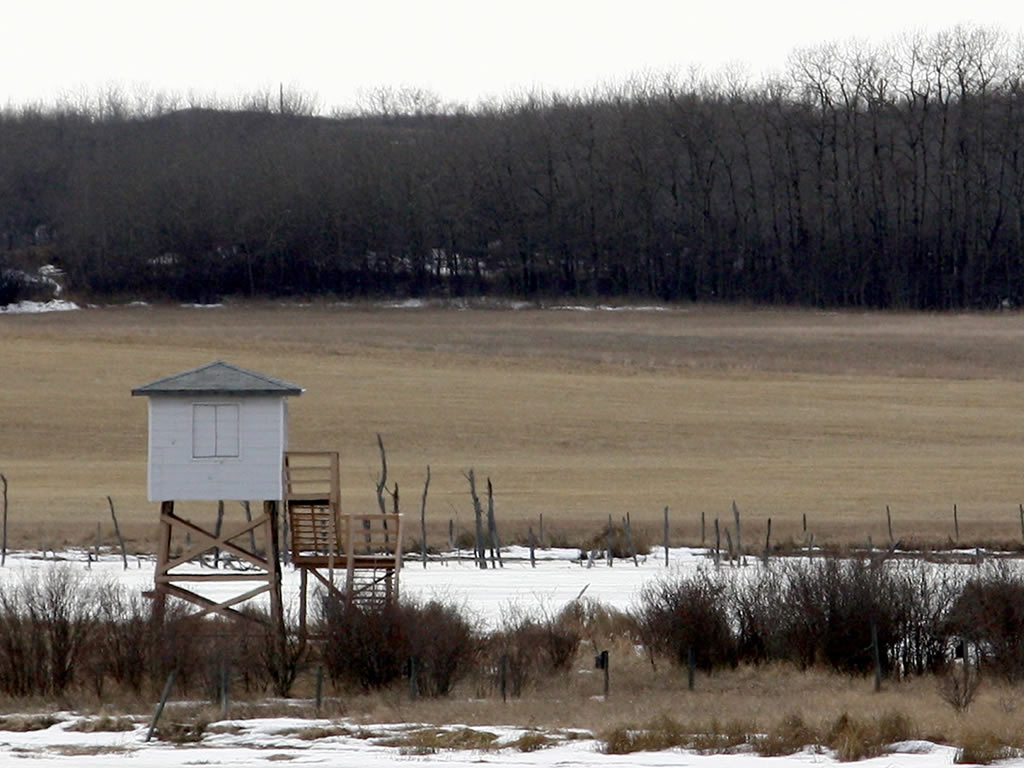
<point x="573" y="415"/>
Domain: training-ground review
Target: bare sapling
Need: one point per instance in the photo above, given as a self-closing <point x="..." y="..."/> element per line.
<point x="423" y="518"/>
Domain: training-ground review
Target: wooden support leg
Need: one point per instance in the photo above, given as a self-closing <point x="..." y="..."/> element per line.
<point x="163" y="556"/>
<point x="303" y="586"/>
<point x="274" y="567"/>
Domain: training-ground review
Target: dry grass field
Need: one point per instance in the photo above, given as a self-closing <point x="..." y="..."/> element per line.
<point x="574" y="414"/>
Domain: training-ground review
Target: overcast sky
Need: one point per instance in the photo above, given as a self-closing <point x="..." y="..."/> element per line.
<point x="463" y="50"/>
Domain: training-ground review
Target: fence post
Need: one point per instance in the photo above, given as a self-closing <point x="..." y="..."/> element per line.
<point x="691" y="669"/>
<point x="503" y="677"/>
<point x="319" y="688"/>
<point x="666" y="533"/>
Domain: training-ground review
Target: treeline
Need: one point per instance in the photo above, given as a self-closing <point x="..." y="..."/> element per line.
<point x="882" y="177"/>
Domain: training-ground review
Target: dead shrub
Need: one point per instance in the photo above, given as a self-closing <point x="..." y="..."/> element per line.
<point x="687" y="613"/>
<point x="370" y="646"/>
<point x="789" y="735"/>
<point x="989" y="614"/>
<point x="534" y="648"/>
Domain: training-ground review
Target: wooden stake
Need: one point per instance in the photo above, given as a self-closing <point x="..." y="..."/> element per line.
<point x="768" y="541"/>
<point x="888" y="517"/>
<point x="805" y="525"/>
<point x="117" y="530"/>
<point x="702" y="529"/>
<point x="739" y="537"/>
<point x="629" y="539"/>
<point x="492" y="526"/>
<point x="3" y="543"/>
<point x="611" y="542"/>
<point x="533" y="544"/>
<point x="956" y="526"/>
<point x="666" y="533"/>
<point x="423" y="518"/>
<point x="718" y="544"/>
<point x="451" y="535"/>
<point x="691" y="668"/>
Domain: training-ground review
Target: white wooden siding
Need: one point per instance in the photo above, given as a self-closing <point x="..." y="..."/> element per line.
<point x="254" y="473"/>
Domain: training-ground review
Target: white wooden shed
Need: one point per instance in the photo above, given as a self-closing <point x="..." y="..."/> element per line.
<point x="218" y="432"/>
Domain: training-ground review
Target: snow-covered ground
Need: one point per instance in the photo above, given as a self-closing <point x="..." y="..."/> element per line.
<point x="489" y="595"/>
<point x="288" y="740"/>
<point x="35" y="307"/>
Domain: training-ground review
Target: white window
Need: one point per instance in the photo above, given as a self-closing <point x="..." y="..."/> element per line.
<point x="214" y="431"/>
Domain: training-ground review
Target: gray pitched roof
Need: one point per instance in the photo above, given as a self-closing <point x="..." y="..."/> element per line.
<point x="219" y="378"/>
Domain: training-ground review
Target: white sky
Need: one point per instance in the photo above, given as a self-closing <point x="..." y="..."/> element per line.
<point x="463" y="50"/>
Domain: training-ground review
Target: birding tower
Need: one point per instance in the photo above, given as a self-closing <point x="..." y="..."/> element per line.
<point x="220" y="433"/>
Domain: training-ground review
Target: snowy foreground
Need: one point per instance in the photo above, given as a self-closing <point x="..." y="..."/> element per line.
<point x="488" y="595"/>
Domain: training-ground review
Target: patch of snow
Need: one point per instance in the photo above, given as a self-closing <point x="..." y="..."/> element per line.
<point x="36" y="307"/>
<point x="203" y="306"/>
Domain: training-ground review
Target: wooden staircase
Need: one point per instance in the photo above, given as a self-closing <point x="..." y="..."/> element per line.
<point x="325" y="542"/>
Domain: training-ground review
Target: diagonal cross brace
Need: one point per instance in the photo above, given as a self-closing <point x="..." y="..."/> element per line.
<point x="208" y="541"/>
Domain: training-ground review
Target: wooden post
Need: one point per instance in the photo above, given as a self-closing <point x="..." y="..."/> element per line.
<point x="252" y="531"/>
<point x="701" y="528"/>
<point x="319" y="688"/>
<point x="423" y="518"/>
<point x="611" y="542"/>
<point x="225" y="689"/>
<point x="480" y="555"/>
<point x="956" y="526"/>
<point x="273" y="558"/>
<point x="3" y="543"/>
<point x="876" y="654"/>
<point x="888" y="518"/>
<point x="665" y="538"/>
<point x="216" y="532"/>
<point x="605" y="665"/>
<point x="503" y="677"/>
<point x="768" y="542"/>
<point x="739" y="536"/>
<point x="117" y="531"/>
<point x="533" y="544"/>
<point x="414" y="678"/>
<point x="451" y="535"/>
<point x="629" y="539"/>
<point x="718" y="544"/>
<point x="492" y="526"/>
<point x="805" y="524"/>
<point x="163" y="702"/>
<point x="163" y="556"/>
